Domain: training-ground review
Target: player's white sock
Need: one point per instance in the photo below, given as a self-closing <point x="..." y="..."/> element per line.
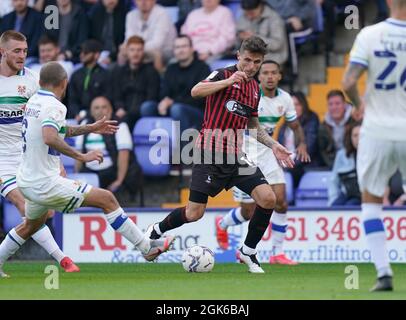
<point x="232" y="218"/>
<point x="45" y="239"/>
<point x="376" y="238"/>
<point x="120" y="222"/>
<point x="11" y="243"/>
<point x="279" y="226"/>
<point x="157" y="229"/>
<point x="247" y="250"/>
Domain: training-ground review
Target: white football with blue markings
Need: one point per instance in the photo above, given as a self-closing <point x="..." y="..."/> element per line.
<point x="198" y="259"/>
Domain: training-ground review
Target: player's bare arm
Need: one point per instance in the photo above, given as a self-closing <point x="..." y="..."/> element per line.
<point x="281" y="153"/>
<point x="351" y="77"/>
<point x="53" y="140"/>
<point x="301" y="150"/>
<point x="101" y="126"/>
<point x="206" y="88"/>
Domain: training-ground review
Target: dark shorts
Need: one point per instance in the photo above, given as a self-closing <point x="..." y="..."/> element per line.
<point x="211" y="179"/>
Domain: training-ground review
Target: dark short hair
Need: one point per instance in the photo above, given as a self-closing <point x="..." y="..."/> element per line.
<point x="52" y="74"/>
<point x="250" y="4"/>
<point x="335" y="93"/>
<point x="185" y="36"/>
<point x="91" y="45"/>
<point x="254" y="44"/>
<point x="46" y="39"/>
<point x="272" y="62"/>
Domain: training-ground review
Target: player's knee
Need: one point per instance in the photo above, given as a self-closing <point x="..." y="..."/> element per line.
<point x="109" y="200"/>
<point x="267" y="200"/>
<point x="194" y="214"/>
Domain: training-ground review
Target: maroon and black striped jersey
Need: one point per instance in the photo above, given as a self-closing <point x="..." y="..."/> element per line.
<point x="227" y="112"/>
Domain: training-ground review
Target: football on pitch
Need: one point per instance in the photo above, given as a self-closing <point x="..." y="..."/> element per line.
<point x="198" y="259"/>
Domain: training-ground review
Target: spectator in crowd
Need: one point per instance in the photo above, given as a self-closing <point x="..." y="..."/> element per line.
<point x="88" y="82"/>
<point x="310" y="124"/>
<point x="260" y="20"/>
<point x="6" y="6"/>
<point x="343" y="188"/>
<point x="135" y="85"/>
<point x="298" y="14"/>
<point x="49" y="51"/>
<point x="73" y="29"/>
<point x="395" y="193"/>
<point x="185" y="7"/>
<point x="211" y="28"/>
<point x="107" y="25"/>
<point x="151" y="22"/>
<point x="331" y="131"/>
<point x="179" y="79"/>
<point x="26" y="20"/>
<point x="119" y="169"/>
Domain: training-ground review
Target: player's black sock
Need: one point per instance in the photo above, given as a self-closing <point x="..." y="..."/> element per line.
<point x="257" y="227"/>
<point x="173" y="220"/>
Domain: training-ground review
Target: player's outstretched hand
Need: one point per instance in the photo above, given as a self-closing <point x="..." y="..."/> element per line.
<point x="104" y="126"/>
<point x="283" y="155"/>
<point x="93" y="155"/>
<point x="237" y="77"/>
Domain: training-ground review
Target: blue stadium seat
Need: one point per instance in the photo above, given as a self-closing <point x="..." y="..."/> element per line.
<point x="289" y="187"/>
<point x="68" y="163"/>
<point x="173" y="13"/>
<point x="312" y="189"/>
<point x="236" y="9"/>
<point x="89" y="178"/>
<point x="153" y="141"/>
<point x="301" y="37"/>
<point x="11" y="216"/>
<point x="223" y="63"/>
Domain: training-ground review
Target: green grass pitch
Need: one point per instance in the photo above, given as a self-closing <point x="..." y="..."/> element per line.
<point x="169" y="281"/>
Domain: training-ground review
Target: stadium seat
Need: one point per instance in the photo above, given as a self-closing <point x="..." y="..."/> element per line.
<point x="223" y="63"/>
<point x="173" y="13"/>
<point x="11" y="216"/>
<point x="153" y="143"/>
<point x="68" y="163"/>
<point x="312" y="189"/>
<point x="236" y="9"/>
<point x="301" y="37"/>
<point x="90" y="178"/>
<point x="289" y="187"/>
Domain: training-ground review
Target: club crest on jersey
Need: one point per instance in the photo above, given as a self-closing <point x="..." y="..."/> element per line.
<point x="236" y="85"/>
<point x="22" y="90"/>
<point x="280" y="109"/>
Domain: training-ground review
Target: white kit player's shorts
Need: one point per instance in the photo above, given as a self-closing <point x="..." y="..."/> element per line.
<point x="8" y="171"/>
<point x="61" y="194"/>
<point x="377" y="162"/>
<point x="271" y="170"/>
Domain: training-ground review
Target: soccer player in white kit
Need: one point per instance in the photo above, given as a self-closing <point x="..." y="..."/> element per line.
<point x="17" y="85"/>
<point x="274" y="104"/>
<point x="380" y="50"/>
<point x="44" y="128"/>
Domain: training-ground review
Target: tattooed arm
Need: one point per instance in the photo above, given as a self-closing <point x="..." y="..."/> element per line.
<point x="260" y="134"/>
<point x="351" y="77"/>
<point x="101" y="126"/>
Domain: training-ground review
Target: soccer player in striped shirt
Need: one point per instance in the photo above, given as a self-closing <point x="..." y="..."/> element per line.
<point x="232" y="97"/>
<point x="274" y="104"/>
